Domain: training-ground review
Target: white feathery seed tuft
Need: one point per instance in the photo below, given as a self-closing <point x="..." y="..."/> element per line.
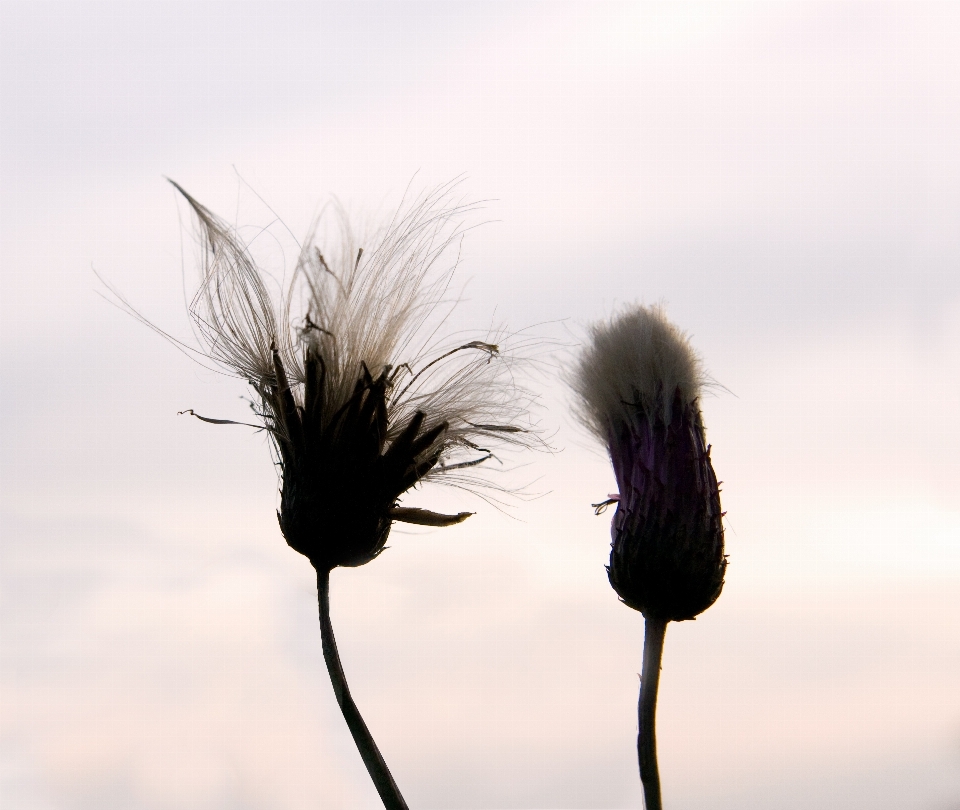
<point x="637" y="357"/>
<point x="376" y="302"/>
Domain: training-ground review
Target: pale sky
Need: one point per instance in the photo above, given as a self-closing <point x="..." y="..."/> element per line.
<point x="785" y="177"/>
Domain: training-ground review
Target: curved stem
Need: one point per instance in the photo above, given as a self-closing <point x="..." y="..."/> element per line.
<point x="376" y="767"/>
<point x="654" y="631"/>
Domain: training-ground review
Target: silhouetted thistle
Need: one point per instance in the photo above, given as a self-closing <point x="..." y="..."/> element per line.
<point x="360" y="399"/>
<point x="639" y="383"/>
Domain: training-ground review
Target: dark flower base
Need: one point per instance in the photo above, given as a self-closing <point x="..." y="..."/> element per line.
<point x="667" y="557"/>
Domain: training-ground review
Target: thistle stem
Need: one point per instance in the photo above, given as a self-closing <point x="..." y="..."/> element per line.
<point x="376" y="767"/>
<point x="654" y="631"/>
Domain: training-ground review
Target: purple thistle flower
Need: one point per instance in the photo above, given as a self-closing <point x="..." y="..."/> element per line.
<point x="639" y="384"/>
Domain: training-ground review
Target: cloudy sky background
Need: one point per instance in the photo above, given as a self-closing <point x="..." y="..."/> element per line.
<point x="785" y="177"/>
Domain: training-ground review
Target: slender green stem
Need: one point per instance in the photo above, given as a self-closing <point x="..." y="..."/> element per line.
<point x="654" y="631"/>
<point x="376" y="767"/>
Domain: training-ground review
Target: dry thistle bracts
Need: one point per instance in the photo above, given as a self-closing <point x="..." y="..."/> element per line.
<point x="359" y="400"/>
<point x="341" y="480"/>
<point x="639" y="382"/>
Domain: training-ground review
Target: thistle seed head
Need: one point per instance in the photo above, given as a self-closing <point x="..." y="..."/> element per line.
<point x="361" y="398"/>
<point x="638" y="383"/>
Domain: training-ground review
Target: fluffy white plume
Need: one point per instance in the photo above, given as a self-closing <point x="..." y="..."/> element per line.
<point x="374" y="302"/>
<point x="636" y="358"/>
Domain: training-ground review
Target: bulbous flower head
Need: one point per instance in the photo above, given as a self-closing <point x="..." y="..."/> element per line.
<point x="360" y="398"/>
<point x="638" y="382"/>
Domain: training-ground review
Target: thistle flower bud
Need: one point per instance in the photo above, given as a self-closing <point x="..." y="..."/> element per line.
<point x="639" y="383"/>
